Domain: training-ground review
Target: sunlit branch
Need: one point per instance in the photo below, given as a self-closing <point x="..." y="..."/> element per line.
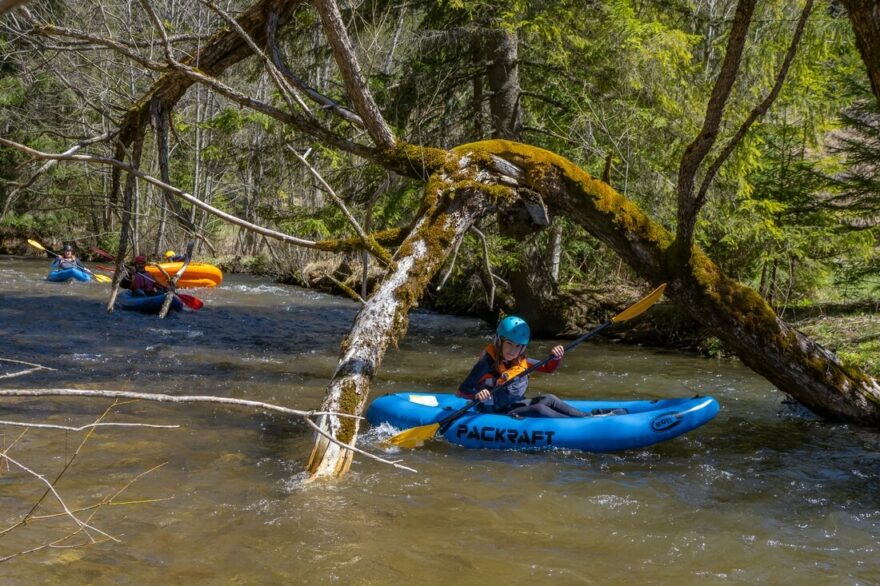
<point x="34" y="368"/>
<point x="82" y="427"/>
<point x="287" y="92"/>
<point x="380" y="253"/>
<point x="325" y="102"/>
<point x="355" y="82"/>
<point x="51" y="488"/>
<point x="188" y="399"/>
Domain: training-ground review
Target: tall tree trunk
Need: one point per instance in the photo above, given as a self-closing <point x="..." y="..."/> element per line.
<point x="532" y="287"/>
<point x="503" y="76"/>
<point x="864" y="16"/>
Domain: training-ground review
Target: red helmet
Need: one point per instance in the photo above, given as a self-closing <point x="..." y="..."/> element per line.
<point x="140" y="258"/>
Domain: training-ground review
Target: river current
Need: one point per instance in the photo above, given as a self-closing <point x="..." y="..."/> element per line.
<point x="759" y="495"/>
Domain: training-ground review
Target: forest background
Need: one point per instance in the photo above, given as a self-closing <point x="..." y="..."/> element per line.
<point x="617" y="87"/>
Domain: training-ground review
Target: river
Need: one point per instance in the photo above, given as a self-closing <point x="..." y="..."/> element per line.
<point x="756" y="496"/>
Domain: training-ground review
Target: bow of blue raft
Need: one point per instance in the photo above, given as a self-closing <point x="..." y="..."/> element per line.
<point x="72" y="274"/>
<point x="614" y="425"/>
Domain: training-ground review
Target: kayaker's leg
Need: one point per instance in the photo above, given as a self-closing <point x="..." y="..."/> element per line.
<point x="557" y="404"/>
<point x="547" y="406"/>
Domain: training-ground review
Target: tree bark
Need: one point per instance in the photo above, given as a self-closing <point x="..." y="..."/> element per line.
<point x="864" y="16"/>
<point x="503" y="77"/>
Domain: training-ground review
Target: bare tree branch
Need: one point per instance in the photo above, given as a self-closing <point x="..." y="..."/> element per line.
<point x="697" y="150"/>
<point x="355" y="82"/>
<point x="34" y="368"/>
<point x="48" y="165"/>
<point x="82" y="427"/>
<point x="187" y="399"/>
<point x="325" y="102"/>
<point x="370" y="245"/>
<point x="757" y="111"/>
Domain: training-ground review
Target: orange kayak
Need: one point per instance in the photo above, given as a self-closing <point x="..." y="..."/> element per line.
<point x="196" y="275"/>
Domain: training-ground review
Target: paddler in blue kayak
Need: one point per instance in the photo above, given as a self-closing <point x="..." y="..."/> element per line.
<point x="503" y="360"/>
<point x="67" y="260"/>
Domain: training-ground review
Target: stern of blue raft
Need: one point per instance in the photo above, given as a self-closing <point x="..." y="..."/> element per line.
<point x="148" y="304"/>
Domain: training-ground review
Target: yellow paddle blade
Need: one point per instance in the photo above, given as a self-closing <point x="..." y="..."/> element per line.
<point x="414" y="437"/>
<point x="101" y="278"/>
<point x="640" y="307"/>
<point x="36" y="244"/>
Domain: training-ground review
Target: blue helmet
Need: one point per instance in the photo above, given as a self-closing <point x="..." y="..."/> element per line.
<point x="514" y="329"/>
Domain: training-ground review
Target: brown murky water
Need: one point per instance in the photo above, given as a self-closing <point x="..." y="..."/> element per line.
<point x="755" y="496"/>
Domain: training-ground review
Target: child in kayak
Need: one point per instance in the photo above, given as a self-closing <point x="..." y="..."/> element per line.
<point x="504" y="360"/>
<point x="171" y="256"/>
<point x="67" y="260"/>
<point x="142" y="284"/>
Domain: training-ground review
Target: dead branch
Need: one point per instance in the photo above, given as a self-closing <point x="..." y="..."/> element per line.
<point x="302" y="122"/>
<point x="46" y="166"/>
<point x="370" y="246"/>
<point x="82" y="427"/>
<point x="355" y="82"/>
<point x="287" y="92"/>
<point x="346" y="289"/>
<point x="51" y="488"/>
<point x="490" y="294"/>
<point x="161" y="398"/>
<point x="96" y="160"/>
<point x="325" y="102"/>
<point x="35" y="367"/>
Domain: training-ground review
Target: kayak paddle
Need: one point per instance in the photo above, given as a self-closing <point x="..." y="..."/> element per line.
<point x="416" y="436"/>
<point x="99" y="278"/>
<point x="188" y="300"/>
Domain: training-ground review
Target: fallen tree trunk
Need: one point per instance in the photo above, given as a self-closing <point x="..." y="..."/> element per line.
<point x="733" y="312"/>
<point x="456" y="201"/>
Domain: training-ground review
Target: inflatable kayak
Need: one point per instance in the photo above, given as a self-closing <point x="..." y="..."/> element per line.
<point x="151" y="304"/>
<point x="72" y="274"/>
<point x="615" y="425"/>
<point x="196" y="275"/>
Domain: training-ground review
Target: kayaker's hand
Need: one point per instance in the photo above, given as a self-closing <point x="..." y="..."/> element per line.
<point x="558" y="352"/>
<point x="483" y="395"/>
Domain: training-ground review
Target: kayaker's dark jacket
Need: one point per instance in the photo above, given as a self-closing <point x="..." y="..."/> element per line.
<point x="144" y="282"/>
<point x="488" y="373"/>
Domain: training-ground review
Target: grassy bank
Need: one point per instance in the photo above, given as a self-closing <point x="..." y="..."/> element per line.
<point x="854" y="337"/>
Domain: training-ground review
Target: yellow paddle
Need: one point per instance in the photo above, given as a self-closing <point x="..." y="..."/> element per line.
<point x="99" y="278"/>
<point x="416" y="436"/>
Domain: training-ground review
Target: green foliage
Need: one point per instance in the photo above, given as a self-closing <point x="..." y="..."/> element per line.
<point x="619" y="81"/>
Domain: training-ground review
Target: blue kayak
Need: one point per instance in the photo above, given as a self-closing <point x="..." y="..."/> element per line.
<point x="147" y="304"/>
<point x="72" y="274"/>
<point x="615" y="425"/>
